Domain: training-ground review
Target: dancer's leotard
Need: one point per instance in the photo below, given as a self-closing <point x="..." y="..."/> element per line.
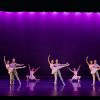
<point x="32" y="77"/>
<point x="75" y="75"/>
<point x="10" y="69"/>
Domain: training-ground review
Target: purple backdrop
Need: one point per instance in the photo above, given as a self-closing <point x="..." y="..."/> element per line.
<point x="31" y="36"/>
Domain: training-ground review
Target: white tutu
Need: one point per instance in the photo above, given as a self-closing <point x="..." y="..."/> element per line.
<point x="75" y="77"/>
<point x="32" y="77"/>
<point x="93" y="71"/>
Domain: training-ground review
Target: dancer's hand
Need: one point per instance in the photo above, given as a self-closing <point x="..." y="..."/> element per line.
<point x="24" y="66"/>
<point x="87" y="57"/>
<point x="67" y="64"/>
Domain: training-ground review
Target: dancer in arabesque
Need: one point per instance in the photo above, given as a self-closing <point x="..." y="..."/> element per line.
<point x="55" y="69"/>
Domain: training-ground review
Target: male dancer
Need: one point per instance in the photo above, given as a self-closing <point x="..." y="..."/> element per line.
<point x="97" y="73"/>
<point x="58" y="72"/>
<point x="13" y="65"/>
<point x="55" y="69"/>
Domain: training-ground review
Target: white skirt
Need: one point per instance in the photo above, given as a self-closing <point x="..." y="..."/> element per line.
<point x="32" y="77"/>
<point x="75" y="77"/>
<point x="93" y="71"/>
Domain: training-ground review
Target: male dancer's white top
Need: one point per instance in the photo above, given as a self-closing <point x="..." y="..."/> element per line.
<point x="32" y="75"/>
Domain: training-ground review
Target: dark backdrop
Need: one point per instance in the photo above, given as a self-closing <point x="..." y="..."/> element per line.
<point x="31" y="37"/>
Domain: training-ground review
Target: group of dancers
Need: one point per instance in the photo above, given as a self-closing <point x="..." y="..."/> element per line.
<point x="12" y="70"/>
<point x="55" y="67"/>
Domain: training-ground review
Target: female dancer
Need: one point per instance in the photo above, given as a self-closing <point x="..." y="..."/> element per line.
<point x="75" y="72"/>
<point x="31" y="76"/>
<point x="7" y="64"/>
<point x="58" y="71"/>
<point x="55" y="68"/>
<point x="93" y="70"/>
<point x="10" y="70"/>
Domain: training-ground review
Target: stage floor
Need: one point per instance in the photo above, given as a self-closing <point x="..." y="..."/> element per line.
<point x="45" y="87"/>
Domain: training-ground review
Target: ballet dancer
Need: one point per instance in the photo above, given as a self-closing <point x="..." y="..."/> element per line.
<point x="75" y="72"/>
<point x="55" y="68"/>
<point x="97" y="73"/>
<point x="14" y="65"/>
<point x="58" y="71"/>
<point x="32" y="72"/>
<point x="7" y="64"/>
<point x="92" y="69"/>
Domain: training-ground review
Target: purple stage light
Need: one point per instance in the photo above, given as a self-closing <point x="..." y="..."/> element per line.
<point x="77" y="13"/>
<point x="55" y="12"/>
<point x="88" y="13"/>
<point x="8" y="12"/>
<point x="43" y="12"/>
<point x="66" y="13"/>
<point x="20" y="12"/>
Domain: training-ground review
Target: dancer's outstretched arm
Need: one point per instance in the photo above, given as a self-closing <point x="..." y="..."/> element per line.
<point x="19" y="67"/>
<point x="49" y="59"/>
<point x="78" y="68"/>
<point x="19" y="64"/>
<point x="67" y="64"/>
<point x="36" y="69"/>
<point x="87" y="60"/>
<point x="5" y="60"/>
<point x="70" y="69"/>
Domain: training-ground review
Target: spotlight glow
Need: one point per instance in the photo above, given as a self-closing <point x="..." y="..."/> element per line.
<point x="43" y="12"/>
<point x="98" y="13"/>
<point x="89" y="13"/>
<point x="31" y="12"/>
<point x="65" y="12"/>
<point x="54" y="12"/>
<point x="8" y="12"/>
<point x="20" y="12"/>
<point x="77" y="13"/>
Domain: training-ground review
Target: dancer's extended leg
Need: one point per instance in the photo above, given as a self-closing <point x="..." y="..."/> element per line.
<point x="16" y="74"/>
<point x="93" y="76"/>
<point x="97" y="74"/>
